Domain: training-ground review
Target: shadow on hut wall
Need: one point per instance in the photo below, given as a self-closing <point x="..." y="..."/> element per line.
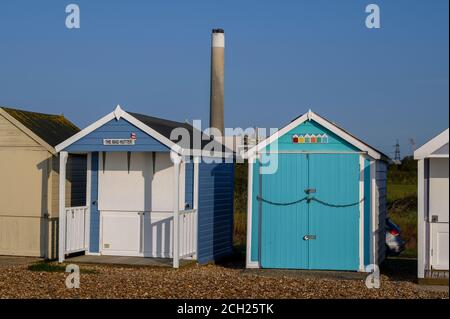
<point x="156" y="234"/>
<point x="215" y="211"/>
<point x="76" y="169"/>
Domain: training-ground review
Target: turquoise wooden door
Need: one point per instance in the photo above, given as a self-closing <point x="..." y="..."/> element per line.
<point x="335" y="177"/>
<point x="282" y="227"/>
<point x="333" y="241"/>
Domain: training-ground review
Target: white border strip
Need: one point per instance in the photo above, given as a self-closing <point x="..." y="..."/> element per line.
<point x="361" y="213"/>
<point x="87" y="227"/>
<point x="249" y="262"/>
<point x="433" y="145"/>
<point x="375" y="213"/>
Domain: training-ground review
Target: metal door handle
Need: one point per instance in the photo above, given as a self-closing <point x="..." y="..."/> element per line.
<point x="310" y="190"/>
<point x="309" y="237"/>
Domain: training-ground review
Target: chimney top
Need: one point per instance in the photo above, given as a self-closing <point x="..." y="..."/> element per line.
<point x="217" y="31"/>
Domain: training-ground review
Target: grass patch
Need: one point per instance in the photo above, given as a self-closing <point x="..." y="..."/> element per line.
<point x="240" y="228"/>
<point x="240" y="203"/>
<point x="402" y="209"/>
<point x="400" y="191"/>
<point x="45" y="266"/>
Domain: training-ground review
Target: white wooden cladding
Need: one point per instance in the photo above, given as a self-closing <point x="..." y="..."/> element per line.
<point x="188" y="233"/>
<point x="147" y="234"/>
<point x="439" y="190"/>
<point x="76" y="225"/>
<point x="143" y="186"/>
<point x="157" y="234"/>
<point x="439" y="245"/>
<point x="122" y="188"/>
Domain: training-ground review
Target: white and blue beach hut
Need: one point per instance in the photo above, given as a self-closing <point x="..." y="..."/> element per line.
<point x="147" y="194"/>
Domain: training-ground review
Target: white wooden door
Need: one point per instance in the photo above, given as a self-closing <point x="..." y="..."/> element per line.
<point x="136" y="203"/>
<point x="439" y="190"/>
<point x="121" y="233"/>
<point x="439" y="246"/>
<point x="439" y="213"/>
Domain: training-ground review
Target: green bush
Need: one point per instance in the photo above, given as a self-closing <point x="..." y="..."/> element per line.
<point x="46" y="266"/>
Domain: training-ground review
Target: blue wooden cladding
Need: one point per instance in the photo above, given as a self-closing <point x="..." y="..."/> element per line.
<point x="282" y="227"/>
<point x="334" y="143"/>
<point x="215" y="211"/>
<point x="94" y="237"/>
<point x="189" y="185"/>
<point x="117" y="129"/>
<point x="336" y="180"/>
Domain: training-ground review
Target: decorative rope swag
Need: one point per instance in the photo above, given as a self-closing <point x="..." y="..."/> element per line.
<point x="259" y="198"/>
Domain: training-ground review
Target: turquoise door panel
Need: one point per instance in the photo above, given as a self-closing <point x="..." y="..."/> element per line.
<point x="335" y="177"/>
<point x="334" y="232"/>
<point x="283" y="227"/>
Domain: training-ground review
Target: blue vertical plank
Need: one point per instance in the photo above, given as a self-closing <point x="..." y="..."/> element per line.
<point x="335" y="177"/>
<point x="215" y="211"/>
<point x="283" y="227"/>
<point x="189" y="185"/>
<point x="334" y="142"/>
<point x="117" y="129"/>
<point x="94" y="235"/>
<point x="255" y="213"/>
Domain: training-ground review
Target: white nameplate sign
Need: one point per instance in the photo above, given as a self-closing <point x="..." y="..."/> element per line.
<point x="119" y="141"/>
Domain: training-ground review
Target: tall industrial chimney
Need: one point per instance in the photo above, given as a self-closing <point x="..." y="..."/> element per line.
<point x="216" y="116"/>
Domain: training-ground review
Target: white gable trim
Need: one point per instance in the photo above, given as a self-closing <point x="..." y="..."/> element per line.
<point x="431" y="146"/>
<point x="117" y="114"/>
<point x="27" y="131"/>
<point x="61" y="146"/>
<point x="313" y="116"/>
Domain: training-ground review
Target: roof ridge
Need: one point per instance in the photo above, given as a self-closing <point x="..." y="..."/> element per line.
<point x="51" y="128"/>
<point x="31" y="112"/>
<point x="159" y="118"/>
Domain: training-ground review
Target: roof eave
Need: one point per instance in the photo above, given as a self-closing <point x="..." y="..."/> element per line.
<point x="432" y="145"/>
<point x="27" y="131"/>
<point x="325" y="123"/>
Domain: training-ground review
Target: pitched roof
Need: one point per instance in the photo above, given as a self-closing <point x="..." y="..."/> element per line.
<point x="436" y="147"/>
<point x="166" y="127"/>
<point x="159" y="129"/>
<point x="384" y="156"/>
<point x="327" y="124"/>
<point x="53" y="129"/>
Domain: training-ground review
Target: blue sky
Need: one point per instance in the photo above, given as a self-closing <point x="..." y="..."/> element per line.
<point x="282" y="58"/>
